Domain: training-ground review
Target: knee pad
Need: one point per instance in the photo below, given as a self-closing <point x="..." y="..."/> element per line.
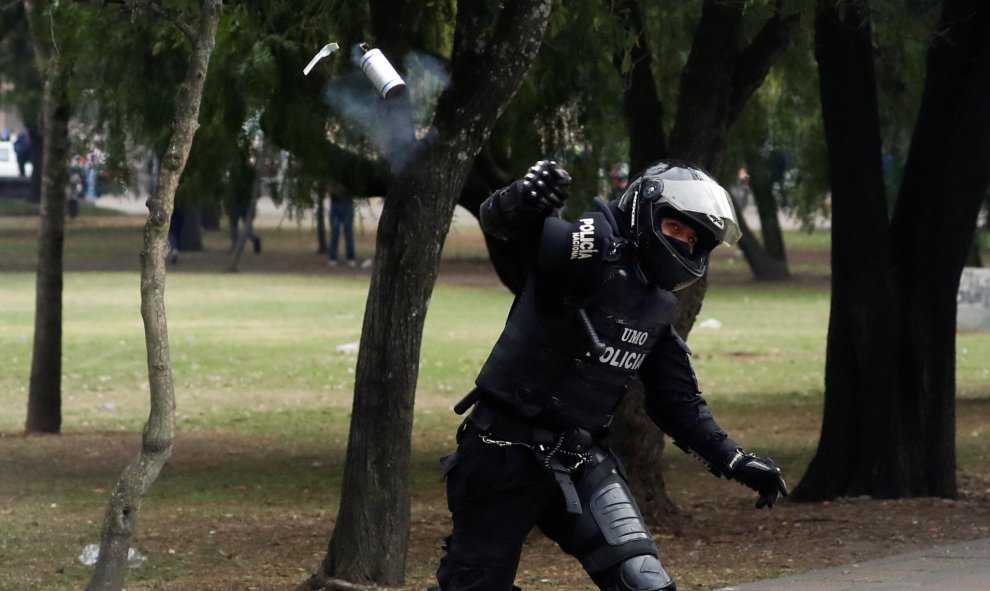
<point x="612" y="529"/>
<point x="639" y="573"/>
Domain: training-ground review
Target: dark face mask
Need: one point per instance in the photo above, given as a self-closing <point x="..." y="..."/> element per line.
<point x="682" y="248"/>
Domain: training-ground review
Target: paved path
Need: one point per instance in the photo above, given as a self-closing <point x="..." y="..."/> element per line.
<point x="959" y="567"/>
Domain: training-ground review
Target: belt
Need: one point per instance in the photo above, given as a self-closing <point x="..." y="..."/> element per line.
<point x="561" y="453"/>
<point x="509" y="430"/>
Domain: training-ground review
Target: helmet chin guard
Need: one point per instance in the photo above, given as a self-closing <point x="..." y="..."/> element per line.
<point x="671" y="189"/>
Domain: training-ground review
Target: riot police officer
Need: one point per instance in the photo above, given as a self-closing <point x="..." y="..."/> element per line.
<point x="595" y="314"/>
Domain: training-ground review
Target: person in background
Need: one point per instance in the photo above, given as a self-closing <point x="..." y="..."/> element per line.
<point x="341" y="222"/>
<point x="22" y="150"/>
<point x="241" y="198"/>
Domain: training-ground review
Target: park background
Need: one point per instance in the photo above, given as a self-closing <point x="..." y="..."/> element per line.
<point x="264" y="369"/>
<point x="263" y="373"/>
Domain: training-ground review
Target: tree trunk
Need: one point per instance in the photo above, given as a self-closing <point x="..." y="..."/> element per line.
<point x="764" y="266"/>
<point x="889" y="424"/>
<point x="973" y="258"/>
<point x="371" y="536"/>
<point x="766" y="204"/>
<point x="237" y="250"/>
<point x="640" y="102"/>
<point x="857" y="451"/>
<point x="37" y="161"/>
<point x="44" y="413"/>
<point x="946" y="176"/>
<point x="768" y="260"/>
<point x="123" y="508"/>
<point x="716" y="83"/>
<point x="321" y="219"/>
<point x="702" y="121"/>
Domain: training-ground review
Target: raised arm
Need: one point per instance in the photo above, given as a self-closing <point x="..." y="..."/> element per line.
<point x="516" y="212"/>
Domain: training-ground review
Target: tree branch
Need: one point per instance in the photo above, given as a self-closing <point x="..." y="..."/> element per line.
<point x="481" y="70"/>
<point x="155" y="8"/>
<point x="755" y="61"/>
<point x="641" y="105"/>
<point x="470" y="38"/>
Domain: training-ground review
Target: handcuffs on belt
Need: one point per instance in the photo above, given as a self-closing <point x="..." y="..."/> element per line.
<point x="581" y="453"/>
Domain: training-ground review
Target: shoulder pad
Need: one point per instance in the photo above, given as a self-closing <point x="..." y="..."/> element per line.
<point x="579" y="244"/>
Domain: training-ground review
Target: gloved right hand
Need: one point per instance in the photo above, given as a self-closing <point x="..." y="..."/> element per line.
<point x="759" y="474"/>
<point x="542" y="187"/>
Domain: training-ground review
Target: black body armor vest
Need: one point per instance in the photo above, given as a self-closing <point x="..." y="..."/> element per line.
<point x="546" y="368"/>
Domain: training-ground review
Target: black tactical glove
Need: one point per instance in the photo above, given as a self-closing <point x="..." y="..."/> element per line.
<point x="759" y="474"/>
<point x="542" y="185"/>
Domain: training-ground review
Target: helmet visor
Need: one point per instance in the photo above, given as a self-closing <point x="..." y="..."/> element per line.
<point x="706" y="201"/>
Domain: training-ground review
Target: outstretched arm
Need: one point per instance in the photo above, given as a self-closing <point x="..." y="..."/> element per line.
<point x="674" y="402"/>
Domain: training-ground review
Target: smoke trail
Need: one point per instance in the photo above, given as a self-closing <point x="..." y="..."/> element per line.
<point x="386" y="124"/>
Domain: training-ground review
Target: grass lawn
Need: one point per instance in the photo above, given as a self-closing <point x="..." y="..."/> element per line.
<point x="264" y="392"/>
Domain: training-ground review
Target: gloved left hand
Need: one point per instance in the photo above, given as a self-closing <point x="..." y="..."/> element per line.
<point x="759" y="474"/>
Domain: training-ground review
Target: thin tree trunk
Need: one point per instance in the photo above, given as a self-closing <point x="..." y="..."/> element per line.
<point x="768" y="260"/>
<point x="764" y="266"/>
<point x="321" y="218"/>
<point x="37" y="161"/>
<point x="123" y="508"/>
<point x="237" y="251"/>
<point x="44" y="413"/>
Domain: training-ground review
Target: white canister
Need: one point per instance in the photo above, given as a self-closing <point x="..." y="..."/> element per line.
<point x="380" y="72"/>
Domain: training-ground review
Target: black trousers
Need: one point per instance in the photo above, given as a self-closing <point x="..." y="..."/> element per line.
<point x="497" y="495"/>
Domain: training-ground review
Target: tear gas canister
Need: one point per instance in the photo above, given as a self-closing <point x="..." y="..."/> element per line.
<point x="381" y="73"/>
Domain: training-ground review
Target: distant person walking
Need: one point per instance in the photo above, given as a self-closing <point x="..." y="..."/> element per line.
<point x="22" y="150"/>
<point x="243" y="190"/>
<point x="342" y="219"/>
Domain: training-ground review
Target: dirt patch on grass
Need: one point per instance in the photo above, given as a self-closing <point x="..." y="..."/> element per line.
<point x="248" y="532"/>
<point x="233" y="512"/>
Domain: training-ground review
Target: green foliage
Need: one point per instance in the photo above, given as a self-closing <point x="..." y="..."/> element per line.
<point x="570" y="104"/>
<point x="901" y="36"/>
<point x="785" y="113"/>
<point x="17" y="64"/>
<point x="243" y="74"/>
<point x="784" y="118"/>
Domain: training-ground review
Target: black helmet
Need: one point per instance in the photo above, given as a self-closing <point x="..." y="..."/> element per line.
<point x="671" y="189"/>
